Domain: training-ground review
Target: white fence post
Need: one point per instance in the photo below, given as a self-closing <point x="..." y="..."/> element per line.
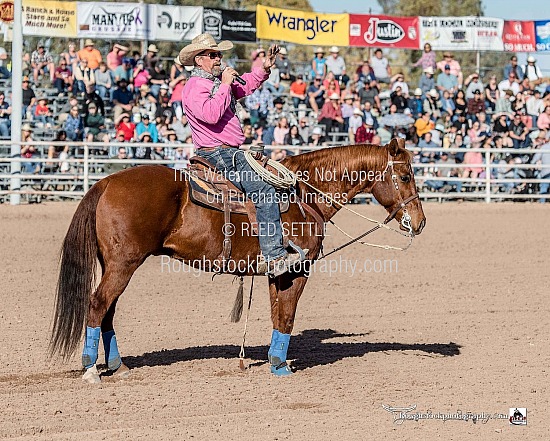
<point x="86" y="168"/>
<point x="488" y="176"/>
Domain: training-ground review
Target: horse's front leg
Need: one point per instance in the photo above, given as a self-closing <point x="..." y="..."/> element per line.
<point x="284" y="292"/>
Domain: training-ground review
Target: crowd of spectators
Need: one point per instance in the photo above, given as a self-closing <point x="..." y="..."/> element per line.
<point x="126" y="98"/>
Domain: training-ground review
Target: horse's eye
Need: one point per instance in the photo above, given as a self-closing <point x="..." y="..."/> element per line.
<point x="406" y="178"/>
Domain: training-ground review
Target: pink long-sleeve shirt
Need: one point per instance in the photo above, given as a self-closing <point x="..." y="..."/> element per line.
<point x="212" y="121"/>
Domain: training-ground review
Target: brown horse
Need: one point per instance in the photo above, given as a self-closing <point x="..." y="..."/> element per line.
<point x="145" y="211"/>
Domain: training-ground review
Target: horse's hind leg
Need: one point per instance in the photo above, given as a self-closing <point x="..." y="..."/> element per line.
<point x="113" y="283"/>
<point x="284" y="293"/>
<point x="113" y="360"/>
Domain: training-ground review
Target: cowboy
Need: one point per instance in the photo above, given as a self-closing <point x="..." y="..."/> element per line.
<point x="209" y="100"/>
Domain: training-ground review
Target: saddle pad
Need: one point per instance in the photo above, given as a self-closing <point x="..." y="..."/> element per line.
<point x="210" y="195"/>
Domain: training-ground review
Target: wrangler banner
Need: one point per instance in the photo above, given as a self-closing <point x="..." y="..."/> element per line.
<point x="49" y="18"/>
<point x="462" y="33"/>
<point x="383" y="31"/>
<point x="302" y="27"/>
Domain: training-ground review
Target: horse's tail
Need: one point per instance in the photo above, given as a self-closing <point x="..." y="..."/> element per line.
<point x="76" y="276"/>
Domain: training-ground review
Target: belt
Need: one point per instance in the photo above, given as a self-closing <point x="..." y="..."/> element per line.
<point x="211" y="149"/>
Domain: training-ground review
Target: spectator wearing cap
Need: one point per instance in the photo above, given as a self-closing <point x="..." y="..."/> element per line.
<point x="124" y="71"/>
<point x="145" y="102"/>
<point x="416" y="103"/>
<point x="381" y="67"/>
<point x="335" y="63"/>
<point x="447" y="81"/>
<point x="123" y="99"/>
<point x="279" y="111"/>
<point x="285" y="67"/>
<point x="518" y="132"/>
<point x="42" y="112"/>
<point x="355" y="121"/>
<point x="104" y="82"/>
<point x="150" y="59"/>
<point x="74" y="126"/>
<point x="319" y="63"/>
<point x="29" y="97"/>
<point x="83" y="76"/>
<point x="427" y="81"/>
<point x="316" y="94"/>
<point x="513" y="67"/>
<point x="448" y="59"/>
<point x="258" y="105"/>
<point x="331" y="114"/>
<point x="5" y="114"/>
<point x="42" y="63"/>
<point x="476" y="105"/>
<point x="145" y="126"/>
<point x="532" y="72"/>
<point x="159" y="78"/>
<point x="95" y="125"/>
<point x="64" y="80"/>
<point x="298" y="91"/>
<point x="115" y="57"/>
<point x="90" y="54"/>
<point x="141" y="75"/>
<point x="472" y="84"/>
<point x="427" y="59"/>
<point x="510" y="83"/>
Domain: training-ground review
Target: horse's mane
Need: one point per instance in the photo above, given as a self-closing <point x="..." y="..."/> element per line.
<point x="351" y="157"/>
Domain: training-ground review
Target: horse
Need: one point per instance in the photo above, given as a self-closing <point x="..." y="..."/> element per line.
<point x="145" y="211"/>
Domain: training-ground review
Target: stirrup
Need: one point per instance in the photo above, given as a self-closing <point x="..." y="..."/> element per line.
<point x="301" y="253"/>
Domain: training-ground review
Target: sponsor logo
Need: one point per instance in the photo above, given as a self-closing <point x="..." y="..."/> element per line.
<point x="166" y="20"/>
<point x="6" y="11"/>
<point x="383" y="31"/>
<point x="213" y="22"/>
<point x="518" y="416"/>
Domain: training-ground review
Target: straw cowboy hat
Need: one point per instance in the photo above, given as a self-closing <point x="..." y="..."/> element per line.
<point x="429" y="70"/>
<point x="199" y="44"/>
<point x="27" y="128"/>
<point x="88" y="42"/>
<point x="152" y="48"/>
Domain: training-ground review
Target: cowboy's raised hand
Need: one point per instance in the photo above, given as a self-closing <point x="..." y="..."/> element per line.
<point x="271" y="57"/>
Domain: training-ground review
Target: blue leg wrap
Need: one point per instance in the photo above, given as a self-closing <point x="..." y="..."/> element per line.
<point x="91" y="344"/>
<point x="274" y="337"/>
<point x="112" y="356"/>
<point x="279" y="366"/>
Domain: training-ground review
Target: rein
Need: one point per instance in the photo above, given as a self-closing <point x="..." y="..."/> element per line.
<point x="405" y="220"/>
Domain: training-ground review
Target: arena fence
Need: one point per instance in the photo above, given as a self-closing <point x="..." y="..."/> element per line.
<point x="498" y="180"/>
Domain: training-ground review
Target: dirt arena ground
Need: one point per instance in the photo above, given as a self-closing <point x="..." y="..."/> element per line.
<point x="460" y="324"/>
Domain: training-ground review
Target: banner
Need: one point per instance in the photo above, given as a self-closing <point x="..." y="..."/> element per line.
<point x="383" y="31"/>
<point x="519" y="36"/>
<point x="462" y="33"/>
<point x="226" y="24"/>
<point x="49" y="18"/>
<point x="175" y="23"/>
<point x="302" y="27"/>
<point x="121" y="21"/>
<point x="542" y="35"/>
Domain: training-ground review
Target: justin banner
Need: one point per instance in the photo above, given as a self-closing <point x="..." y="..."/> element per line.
<point x="302" y="27"/>
<point x="121" y="21"/>
<point x="175" y="23"/>
<point x="225" y="24"/>
<point x="542" y="34"/>
<point x="519" y="36"/>
<point x="462" y="33"/>
<point x="49" y="18"/>
<point x="383" y="31"/>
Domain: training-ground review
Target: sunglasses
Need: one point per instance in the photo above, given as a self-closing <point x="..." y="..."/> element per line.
<point x="212" y="55"/>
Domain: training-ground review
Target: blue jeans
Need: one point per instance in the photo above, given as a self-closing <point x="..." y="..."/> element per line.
<point x="544" y="188"/>
<point x="5" y="128"/>
<point x="232" y="163"/>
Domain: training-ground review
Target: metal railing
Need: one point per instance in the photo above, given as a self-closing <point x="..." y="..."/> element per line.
<point x="88" y="167"/>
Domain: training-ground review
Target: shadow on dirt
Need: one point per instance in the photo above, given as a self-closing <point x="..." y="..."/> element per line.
<point x="308" y="349"/>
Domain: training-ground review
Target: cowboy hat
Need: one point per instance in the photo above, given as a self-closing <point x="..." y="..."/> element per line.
<point x="334" y="50"/>
<point x="27" y="128"/>
<point x="88" y="42"/>
<point x="177" y="60"/>
<point x="433" y="93"/>
<point x="283" y="51"/>
<point x="531" y="59"/>
<point x="318" y="50"/>
<point x="418" y="91"/>
<point x="199" y="44"/>
<point x="357" y="111"/>
<point x="429" y="70"/>
<point x="334" y="96"/>
<point x="152" y="48"/>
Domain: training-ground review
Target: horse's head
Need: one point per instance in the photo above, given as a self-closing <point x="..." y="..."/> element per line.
<point x="396" y="188"/>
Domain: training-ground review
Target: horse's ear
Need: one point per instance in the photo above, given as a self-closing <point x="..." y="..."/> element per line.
<point x="393" y="147"/>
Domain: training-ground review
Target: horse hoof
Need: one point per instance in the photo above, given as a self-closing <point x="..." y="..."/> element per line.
<point x="91" y="376"/>
<point x="282" y="370"/>
<point x="122" y="371"/>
